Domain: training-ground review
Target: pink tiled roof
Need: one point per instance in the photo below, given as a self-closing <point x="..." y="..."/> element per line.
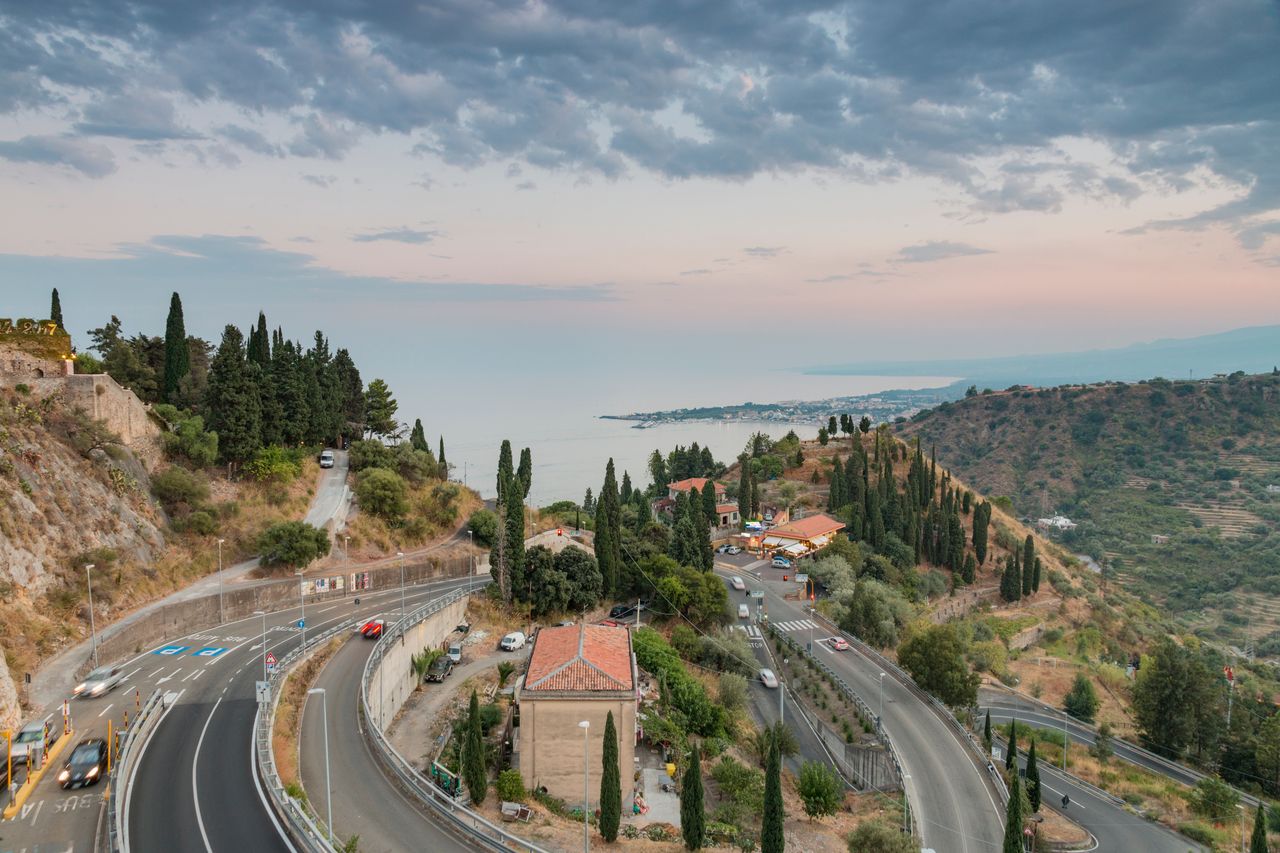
<point x="581" y="658"/>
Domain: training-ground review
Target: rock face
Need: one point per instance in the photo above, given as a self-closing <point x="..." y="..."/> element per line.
<point x="10" y="714"/>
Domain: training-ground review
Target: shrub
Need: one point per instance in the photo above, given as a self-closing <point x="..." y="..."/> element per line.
<point x="1197" y="831"/>
<point x="382" y="493"/>
<point x="510" y="786"/>
<point x="178" y="489"/>
<point x="484" y="527"/>
<point x="274" y="464"/>
<point x="490" y="716"/>
<point x="292" y="543"/>
<point x="504" y="672"/>
<point x="369" y="454"/>
<point x="1214" y="799"/>
<point x="201" y="521"/>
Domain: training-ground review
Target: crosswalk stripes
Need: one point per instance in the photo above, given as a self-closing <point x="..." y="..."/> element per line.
<point x="796" y="625"/>
<point x="751" y="630"/>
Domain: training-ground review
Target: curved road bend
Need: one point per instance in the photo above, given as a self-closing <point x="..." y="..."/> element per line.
<point x="196" y="787"/>
<point x="366" y="802"/>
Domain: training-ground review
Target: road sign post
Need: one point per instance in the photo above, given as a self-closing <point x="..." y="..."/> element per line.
<point x="271" y="661"/>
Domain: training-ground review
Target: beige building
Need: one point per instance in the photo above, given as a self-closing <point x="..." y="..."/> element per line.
<point x="576" y="673"/>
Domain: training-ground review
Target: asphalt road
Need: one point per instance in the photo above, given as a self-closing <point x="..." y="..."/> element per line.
<point x="366" y="802"/>
<point x="331" y="493"/>
<point x="955" y="810"/>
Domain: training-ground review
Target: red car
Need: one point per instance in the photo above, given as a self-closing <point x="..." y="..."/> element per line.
<point x="372" y="629"/>
<point x="839" y="644"/>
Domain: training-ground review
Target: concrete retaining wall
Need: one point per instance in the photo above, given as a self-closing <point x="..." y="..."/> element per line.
<point x="393" y="679"/>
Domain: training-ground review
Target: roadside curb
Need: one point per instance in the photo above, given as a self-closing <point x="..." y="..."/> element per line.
<point x="33" y="777"/>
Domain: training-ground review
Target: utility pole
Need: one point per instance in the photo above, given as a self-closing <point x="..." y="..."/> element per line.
<point x="302" y="599"/>
<point x="222" y="610"/>
<point x="93" y="631"/>
<point x="400" y="555"/>
<point x="1066" y="739"/>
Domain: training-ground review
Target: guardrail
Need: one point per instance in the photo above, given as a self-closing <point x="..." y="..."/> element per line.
<point x="863" y="709"/>
<point x="301" y="826"/>
<point x="120" y="779"/>
<point x="473" y="827"/>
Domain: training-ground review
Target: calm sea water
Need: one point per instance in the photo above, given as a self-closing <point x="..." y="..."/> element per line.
<point x="558" y="419"/>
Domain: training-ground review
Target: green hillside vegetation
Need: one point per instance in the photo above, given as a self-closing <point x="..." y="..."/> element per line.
<point x="1133" y="464"/>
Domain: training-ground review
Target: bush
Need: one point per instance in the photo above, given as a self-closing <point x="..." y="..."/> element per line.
<point x="510" y="786"/>
<point x="1214" y="799"/>
<point x="201" y="521"/>
<point x="382" y="493"/>
<point x="1197" y="831"/>
<point x="274" y="464"/>
<point x="292" y="543"/>
<point x="187" y="438"/>
<point x="369" y="454"/>
<point x="484" y="527"/>
<point x="490" y="716"/>
<point x="178" y="489"/>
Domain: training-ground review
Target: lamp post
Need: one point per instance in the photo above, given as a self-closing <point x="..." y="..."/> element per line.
<point x="585" y="725"/>
<point x="302" y="599"/>
<point x="346" y="548"/>
<point x="222" y="611"/>
<point x="881" y="717"/>
<point x="471" y="567"/>
<point x="400" y="555"/>
<point x="906" y="804"/>
<point x="1242" y="835"/>
<point x="263" y="614"/>
<point x="328" y="789"/>
<point x="1066" y="740"/>
<point x="93" y="631"/>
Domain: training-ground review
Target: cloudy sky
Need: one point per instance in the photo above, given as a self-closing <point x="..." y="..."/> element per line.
<point x="545" y="180"/>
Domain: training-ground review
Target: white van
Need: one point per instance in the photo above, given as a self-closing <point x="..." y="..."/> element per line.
<point x="737" y="583"/>
<point x="455" y="652"/>
<point x="744" y="612"/>
<point x="511" y="642"/>
<point x="326" y="459"/>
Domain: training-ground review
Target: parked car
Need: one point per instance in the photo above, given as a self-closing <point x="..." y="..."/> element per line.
<point x="87" y="764"/>
<point x="744" y="612"/>
<point x="513" y="641"/>
<point x="29" y="739"/>
<point x="737" y="583"/>
<point x="769" y="679"/>
<point x="102" y="680"/>
<point x="372" y="629"/>
<point x="440" y="668"/>
<point x="622" y="611"/>
<point x="723" y="549"/>
<point x="840" y="644"/>
<point x="781" y="562"/>
<point x="463" y="628"/>
<point x="733" y="549"/>
<point x="326" y="459"/>
<point x="455" y="652"/>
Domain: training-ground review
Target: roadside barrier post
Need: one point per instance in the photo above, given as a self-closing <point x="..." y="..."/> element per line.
<point x="111" y="746"/>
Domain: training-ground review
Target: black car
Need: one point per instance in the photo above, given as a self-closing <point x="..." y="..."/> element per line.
<point x="440" y="668"/>
<point x="622" y="611"/>
<point x="87" y="764"/>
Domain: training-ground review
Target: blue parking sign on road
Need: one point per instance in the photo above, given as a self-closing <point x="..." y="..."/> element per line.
<point x="302" y="623"/>
<point x="170" y="651"/>
<point x="208" y="652"/>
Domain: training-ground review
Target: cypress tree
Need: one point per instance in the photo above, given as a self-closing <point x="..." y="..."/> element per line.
<point x="693" y="816"/>
<point x="610" y="783"/>
<point x="1028" y="554"/>
<point x="709" y="505"/>
<point x="231" y="399"/>
<point x="1010" y="582"/>
<point x="624" y="491"/>
<point x="986" y="732"/>
<point x="981" y="519"/>
<point x="744" y="487"/>
<point x="1033" y="778"/>
<point x="1011" y="755"/>
<point x="823" y="437"/>
<point x="524" y="474"/>
<point x="1013" y="819"/>
<point x="513" y="517"/>
<point x="771" y="837"/>
<point x="1035" y="577"/>
<point x="259" y="350"/>
<point x="644" y="514"/>
<point x="1028" y="575"/>
<point x="55" y="310"/>
<point x="831" y="425"/>
<point x="473" y="759"/>
<point x="588" y="502"/>
<point x="1258" y="841"/>
<point x="836" y="499"/>
<point x="865" y="424"/>
<point x="755" y="495"/>
<point x="970" y="570"/>
<point x="177" y="358"/>
<point x="608" y="542"/>
<point x="506" y="469"/>
<point x="418" y="437"/>
<point x="444" y="465"/>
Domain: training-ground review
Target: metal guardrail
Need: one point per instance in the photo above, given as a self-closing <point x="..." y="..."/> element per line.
<point x="473" y="827"/>
<point x="118" y="801"/>
<point x="301" y="826"/>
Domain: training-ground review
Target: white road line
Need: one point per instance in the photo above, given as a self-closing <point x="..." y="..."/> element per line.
<point x="106" y="709"/>
<point x="133" y="773"/>
<point x="157" y="672"/>
<point x="125" y="680"/>
<point x="195" y="762"/>
<point x="271" y="812"/>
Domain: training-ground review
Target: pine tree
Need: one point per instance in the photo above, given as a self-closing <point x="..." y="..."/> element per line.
<point x="588" y="502"/>
<point x="418" y="437"/>
<point x="524" y="474"/>
<point x="771" y="837"/>
<point x="831" y="425"/>
<point x="1033" y="777"/>
<point x="231" y="399"/>
<point x="986" y="732"/>
<point x="823" y="436"/>
<point x="1011" y="755"/>
<point x="55" y="309"/>
<point x="625" y="490"/>
<point x="1258" y="841"/>
<point x="350" y="394"/>
<point x="380" y="409"/>
<point x="1013" y="819"/>
<point x="474" y="772"/>
<point x="693" y="816"/>
<point x="177" y="358"/>
<point x="610" y="783"/>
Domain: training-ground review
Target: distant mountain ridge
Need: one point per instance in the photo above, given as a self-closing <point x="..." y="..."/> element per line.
<point x="1255" y="349"/>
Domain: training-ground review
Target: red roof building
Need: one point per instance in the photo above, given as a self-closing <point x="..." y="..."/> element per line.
<point x="686" y="486"/>
<point x="802" y="536"/>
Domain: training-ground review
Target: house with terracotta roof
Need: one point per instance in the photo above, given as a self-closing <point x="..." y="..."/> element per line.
<point x="726" y="511"/>
<point x="803" y="536"/>
<point x="576" y="672"/>
<point x="690" y="484"/>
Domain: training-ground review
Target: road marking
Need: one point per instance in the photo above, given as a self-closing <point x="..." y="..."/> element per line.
<point x="133" y="773"/>
<point x="271" y="812"/>
<point x="125" y="680"/>
<point x="195" y="762"/>
<point x="157" y="672"/>
<point x="193" y="675"/>
<point x="170" y="651"/>
<point x="1075" y="803"/>
<point x="169" y="677"/>
<point x="106" y="709"/>
<point x="27" y="809"/>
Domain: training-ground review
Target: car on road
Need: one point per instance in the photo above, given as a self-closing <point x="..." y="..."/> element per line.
<point x="769" y="679"/>
<point x="372" y="629"/>
<point x="29" y="739"/>
<point x="100" y="681"/>
<point x="87" y="764"/>
<point x="780" y="562"/>
<point x="744" y="612"/>
<point x="440" y="668"/>
<point x="511" y="642"/>
<point x="840" y="644"/>
<point x="622" y="611"/>
<point x="737" y="583"/>
<point x="723" y="549"/>
<point x="733" y="549"/>
<point x="326" y="459"/>
<point x="455" y="652"/>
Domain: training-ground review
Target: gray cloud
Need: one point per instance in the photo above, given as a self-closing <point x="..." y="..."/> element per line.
<point x="397" y="235"/>
<point x="251" y="139"/>
<point x="936" y="250"/>
<point x="764" y="252"/>
<point x="145" y="117"/>
<point x="698" y="271"/>
<point x="88" y="158"/>
<point x="321" y="181"/>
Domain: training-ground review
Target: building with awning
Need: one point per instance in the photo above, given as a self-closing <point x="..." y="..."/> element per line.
<point x="803" y="536"/>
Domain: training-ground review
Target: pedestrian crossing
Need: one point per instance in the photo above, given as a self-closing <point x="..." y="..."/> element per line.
<point x="752" y="631"/>
<point x="796" y="625"/>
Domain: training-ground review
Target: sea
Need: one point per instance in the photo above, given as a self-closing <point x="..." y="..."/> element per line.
<point x="558" y="418"/>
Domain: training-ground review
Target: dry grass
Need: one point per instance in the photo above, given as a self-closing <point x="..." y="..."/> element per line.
<point x="288" y="721"/>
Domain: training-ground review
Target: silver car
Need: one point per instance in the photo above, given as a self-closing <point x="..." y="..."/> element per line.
<point x="34" y="737"/>
<point x="101" y="681"/>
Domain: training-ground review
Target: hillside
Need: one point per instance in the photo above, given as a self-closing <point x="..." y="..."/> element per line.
<point x="1132" y="465"/>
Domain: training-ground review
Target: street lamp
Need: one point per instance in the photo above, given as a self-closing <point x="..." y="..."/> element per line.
<point x="93" y="631"/>
<point x="906" y="804"/>
<point x="400" y="554"/>
<point x="222" y="611"/>
<point x="328" y="789"/>
<point x="471" y="567"/>
<point x="346" y="548"/>
<point x="263" y="614"/>
<point x="881" y="717"/>
<point x="585" y="725"/>
<point x="302" y="599"/>
<point x="1242" y="835"/>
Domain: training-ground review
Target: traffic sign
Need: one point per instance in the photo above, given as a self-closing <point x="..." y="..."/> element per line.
<point x="1229" y="673"/>
<point x="263" y="690"/>
<point x="271" y="660"/>
<point x="302" y="623"/>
